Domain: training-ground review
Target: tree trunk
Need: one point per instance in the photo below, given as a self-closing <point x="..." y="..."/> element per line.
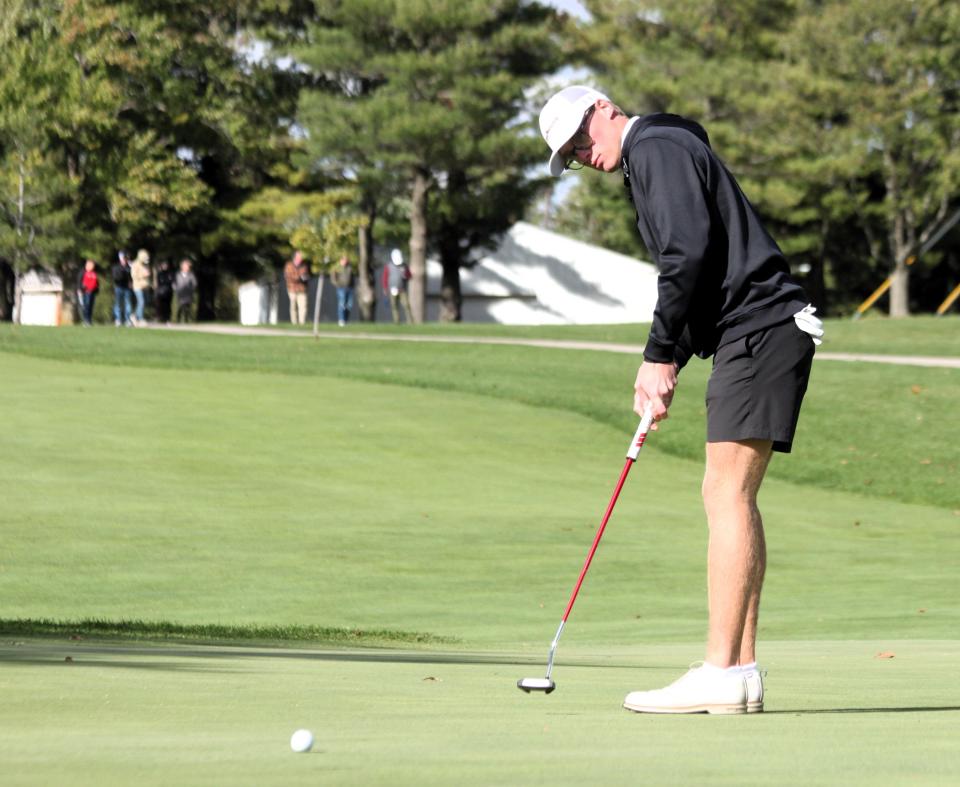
<point x="451" y="297"/>
<point x="366" y="279"/>
<point x="7" y="289"/>
<point x="900" y="245"/>
<point x="207" y="281"/>
<point x="418" y="244"/>
<point x="900" y="289"/>
<point x="17" y="297"/>
<point x="317" y="301"/>
<point x="815" y="285"/>
<point x="901" y="240"/>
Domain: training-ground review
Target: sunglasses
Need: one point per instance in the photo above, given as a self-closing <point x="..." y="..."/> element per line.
<point x="580" y="141"/>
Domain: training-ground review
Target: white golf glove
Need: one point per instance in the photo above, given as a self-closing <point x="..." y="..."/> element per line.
<point x="808" y="323"/>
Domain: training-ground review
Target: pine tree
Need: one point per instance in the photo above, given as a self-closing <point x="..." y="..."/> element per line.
<point x="421" y="98"/>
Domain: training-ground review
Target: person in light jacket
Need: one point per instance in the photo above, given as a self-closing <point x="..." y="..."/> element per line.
<point x="141" y="275"/>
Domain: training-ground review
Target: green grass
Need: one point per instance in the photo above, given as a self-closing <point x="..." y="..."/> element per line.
<point x="875" y="334"/>
<point x="854" y="414"/>
<point x="157" y="716"/>
<point x="441" y="499"/>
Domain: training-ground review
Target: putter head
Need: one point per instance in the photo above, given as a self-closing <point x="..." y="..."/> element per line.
<point x="536" y="684"/>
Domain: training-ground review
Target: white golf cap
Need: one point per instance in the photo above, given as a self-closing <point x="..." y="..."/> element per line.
<point x="396" y="257"/>
<point x="562" y="115"/>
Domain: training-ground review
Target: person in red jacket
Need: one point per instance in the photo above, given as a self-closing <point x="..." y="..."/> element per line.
<point x="88" y="285"/>
<point x="724" y="291"/>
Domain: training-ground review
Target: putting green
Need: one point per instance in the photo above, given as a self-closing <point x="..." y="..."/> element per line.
<point x="125" y="714"/>
<point x="243" y="498"/>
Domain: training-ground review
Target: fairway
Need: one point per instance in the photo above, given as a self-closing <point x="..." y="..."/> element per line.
<point x="443" y="527"/>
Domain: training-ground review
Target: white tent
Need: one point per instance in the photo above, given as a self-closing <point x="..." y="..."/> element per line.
<point x="537" y="277"/>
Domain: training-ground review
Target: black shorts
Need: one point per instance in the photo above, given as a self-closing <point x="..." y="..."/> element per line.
<point x="757" y="385"/>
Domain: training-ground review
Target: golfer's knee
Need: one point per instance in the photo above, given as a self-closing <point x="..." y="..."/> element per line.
<point x="726" y="496"/>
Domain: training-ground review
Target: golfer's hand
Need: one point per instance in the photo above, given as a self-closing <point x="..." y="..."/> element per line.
<point x="655" y="384"/>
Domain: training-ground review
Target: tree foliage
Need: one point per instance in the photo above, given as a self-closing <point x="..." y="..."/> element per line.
<point x="178" y="127"/>
<point x="839" y="117"/>
<point x="133" y="123"/>
<point x="418" y="100"/>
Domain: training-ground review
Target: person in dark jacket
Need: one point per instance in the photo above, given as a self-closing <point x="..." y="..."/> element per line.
<point x="164" y="291"/>
<point x="343" y="280"/>
<point x="122" y="292"/>
<point x="724" y="290"/>
<point x="185" y="287"/>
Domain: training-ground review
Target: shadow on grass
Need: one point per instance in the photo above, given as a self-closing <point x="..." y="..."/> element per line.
<point x="159" y="656"/>
<point x="216" y="634"/>
<point x="156" y="656"/>
<point x="905" y="709"/>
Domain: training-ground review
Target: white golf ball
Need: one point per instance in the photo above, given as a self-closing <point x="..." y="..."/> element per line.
<point x="301" y="741"/>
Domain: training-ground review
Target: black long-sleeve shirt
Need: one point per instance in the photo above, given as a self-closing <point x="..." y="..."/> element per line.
<point x="721" y="275"/>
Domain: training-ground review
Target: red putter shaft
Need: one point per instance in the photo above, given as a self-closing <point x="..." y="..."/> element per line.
<point x="635" y="447"/>
<point x="546" y="685"/>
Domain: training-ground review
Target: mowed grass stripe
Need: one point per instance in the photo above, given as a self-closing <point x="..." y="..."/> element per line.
<point x="880" y="431"/>
<point x="206" y="498"/>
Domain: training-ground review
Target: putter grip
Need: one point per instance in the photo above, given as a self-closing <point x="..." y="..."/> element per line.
<point x="641" y="434"/>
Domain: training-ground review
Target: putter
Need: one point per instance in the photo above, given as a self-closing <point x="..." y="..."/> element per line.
<point x="546" y="685"/>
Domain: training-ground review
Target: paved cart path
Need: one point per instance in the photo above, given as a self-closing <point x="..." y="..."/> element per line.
<point x="554" y="344"/>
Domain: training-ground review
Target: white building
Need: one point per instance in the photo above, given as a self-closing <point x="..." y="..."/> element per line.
<point x="537" y="277"/>
<point x="40" y="298"/>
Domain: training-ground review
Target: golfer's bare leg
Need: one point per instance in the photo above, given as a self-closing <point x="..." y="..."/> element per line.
<point x="736" y="557"/>
<point x="748" y="641"/>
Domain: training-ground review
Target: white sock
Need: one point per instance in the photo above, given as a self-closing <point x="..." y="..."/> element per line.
<point x="734" y="670"/>
<point x="747" y="668"/>
<point x="712" y="667"/>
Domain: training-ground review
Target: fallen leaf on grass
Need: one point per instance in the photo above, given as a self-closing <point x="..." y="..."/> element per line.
<point x="433" y="679"/>
<point x="885" y="654"/>
<point x="915" y="389"/>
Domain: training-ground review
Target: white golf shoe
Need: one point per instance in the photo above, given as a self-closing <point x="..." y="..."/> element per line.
<point x="703" y="689"/>
<point x="754" y="681"/>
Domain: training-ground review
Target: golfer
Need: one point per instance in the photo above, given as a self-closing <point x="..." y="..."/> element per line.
<point x="724" y="290"/>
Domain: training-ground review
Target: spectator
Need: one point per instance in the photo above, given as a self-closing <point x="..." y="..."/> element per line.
<point x="343" y="280"/>
<point x="88" y="285"/>
<point x="165" y="281"/>
<point x="122" y="296"/>
<point x="185" y="287"/>
<point x="141" y="274"/>
<point x="394" y="283"/>
<point x="296" y="273"/>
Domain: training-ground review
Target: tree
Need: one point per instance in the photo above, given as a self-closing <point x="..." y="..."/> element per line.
<point x="36" y="196"/>
<point x="714" y="62"/>
<point x="134" y="123"/>
<point x="839" y="117"/>
<point x="421" y="99"/>
<point x="888" y="96"/>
